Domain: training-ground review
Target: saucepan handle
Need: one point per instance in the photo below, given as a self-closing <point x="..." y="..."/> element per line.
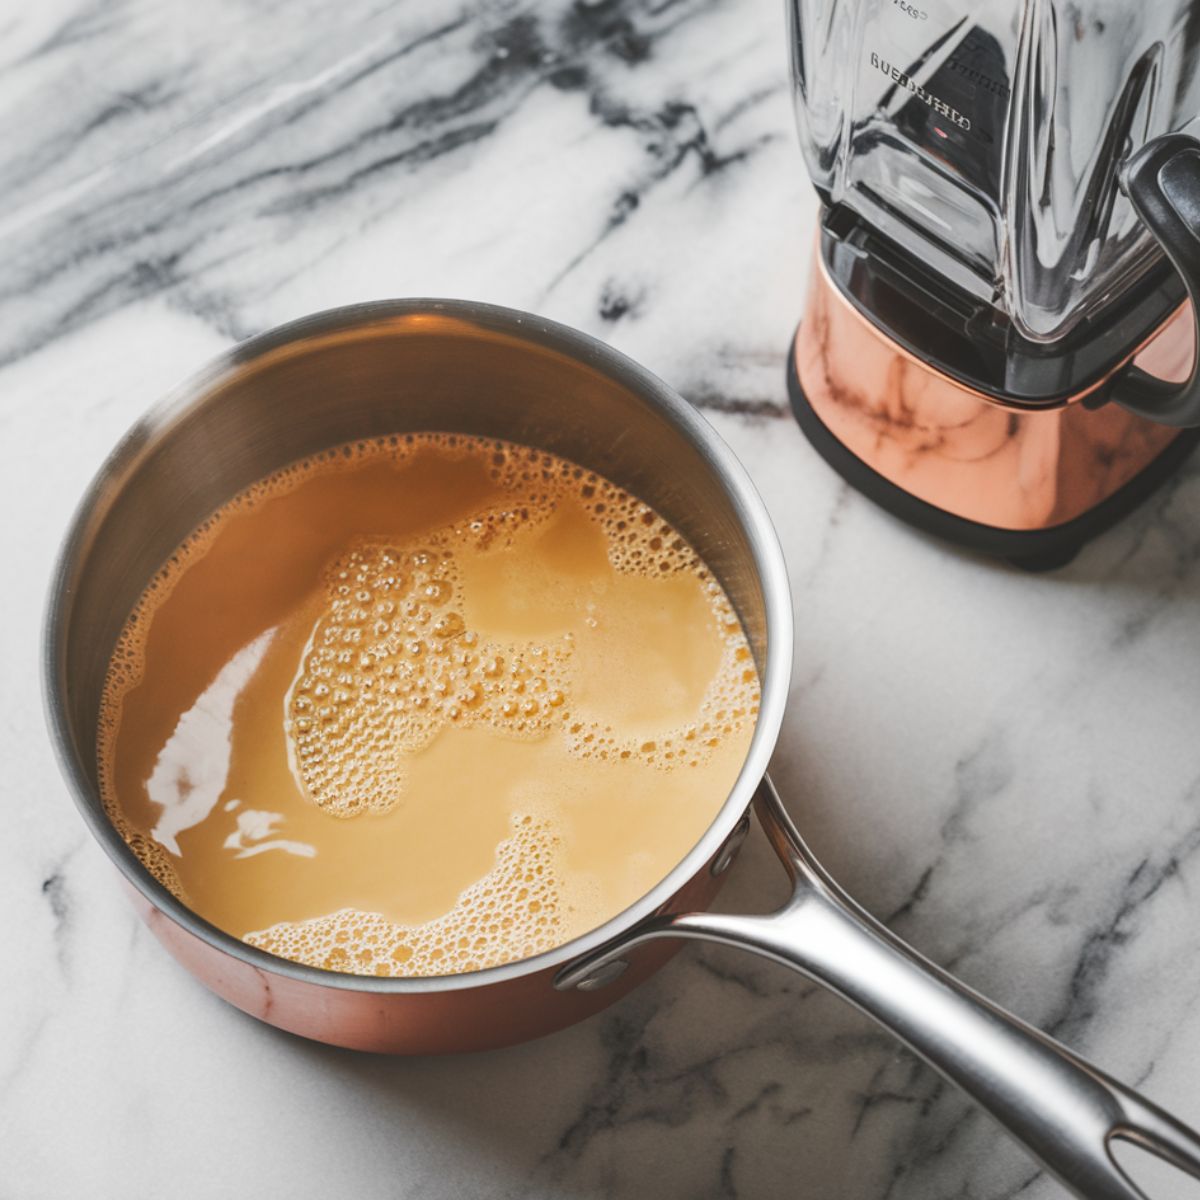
<point x="1065" y="1111"/>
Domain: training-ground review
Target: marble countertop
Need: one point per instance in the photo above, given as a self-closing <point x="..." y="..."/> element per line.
<point x="1004" y="767"/>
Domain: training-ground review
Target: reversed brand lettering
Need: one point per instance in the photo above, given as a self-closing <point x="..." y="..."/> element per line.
<point x="907" y="82"/>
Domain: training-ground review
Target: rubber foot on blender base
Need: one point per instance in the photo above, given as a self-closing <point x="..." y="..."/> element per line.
<point x="1031" y="550"/>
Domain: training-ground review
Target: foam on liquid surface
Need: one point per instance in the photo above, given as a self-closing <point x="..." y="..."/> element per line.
<point x="424" y="705"/>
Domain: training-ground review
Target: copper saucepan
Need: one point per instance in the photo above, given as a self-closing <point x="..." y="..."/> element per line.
<point x="402" y="366"/>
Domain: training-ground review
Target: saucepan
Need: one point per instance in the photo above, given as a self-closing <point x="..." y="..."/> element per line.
<point x="410" y="365"/>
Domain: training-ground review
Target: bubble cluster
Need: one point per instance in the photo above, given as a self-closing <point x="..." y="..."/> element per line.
<point x="522" y="907"/>
<point x="151" y="855"/>
<point x="639" y="541"/>
<point x="391" y="662"/>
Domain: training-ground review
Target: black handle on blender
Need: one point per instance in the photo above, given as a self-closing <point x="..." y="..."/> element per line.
<point x="1162" y="181"/>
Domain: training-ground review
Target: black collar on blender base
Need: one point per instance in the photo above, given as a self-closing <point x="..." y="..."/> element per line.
<point x="973" y="342"/>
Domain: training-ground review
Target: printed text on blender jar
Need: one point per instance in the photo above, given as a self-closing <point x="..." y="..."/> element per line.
<point x="906" y="81"/>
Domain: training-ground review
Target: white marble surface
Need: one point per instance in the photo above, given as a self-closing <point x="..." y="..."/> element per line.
<point x="1005" y="767"/>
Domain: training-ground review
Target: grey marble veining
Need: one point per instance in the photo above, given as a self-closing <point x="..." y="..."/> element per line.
<point x="1005" y="767"/>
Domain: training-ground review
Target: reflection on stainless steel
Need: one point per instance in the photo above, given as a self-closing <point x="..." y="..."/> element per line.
<point x="986" y="138"/>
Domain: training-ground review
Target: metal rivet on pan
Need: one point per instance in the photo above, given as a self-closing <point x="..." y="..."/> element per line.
<point x="733" y="844"/>
<point x="603" y="976"/>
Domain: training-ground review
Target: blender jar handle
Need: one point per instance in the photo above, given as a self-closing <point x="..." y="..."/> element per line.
<point x="1063" y="1110"/>
<point x="1162" y="181"/>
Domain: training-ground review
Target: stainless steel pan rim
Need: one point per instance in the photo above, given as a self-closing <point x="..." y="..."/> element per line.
<point x="157" y="423"/>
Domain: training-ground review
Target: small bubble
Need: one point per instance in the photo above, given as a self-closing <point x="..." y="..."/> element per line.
<point x="448" y="625"/>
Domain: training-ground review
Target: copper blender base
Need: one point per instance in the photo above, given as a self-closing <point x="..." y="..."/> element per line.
<point x="1030" y="549"/>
